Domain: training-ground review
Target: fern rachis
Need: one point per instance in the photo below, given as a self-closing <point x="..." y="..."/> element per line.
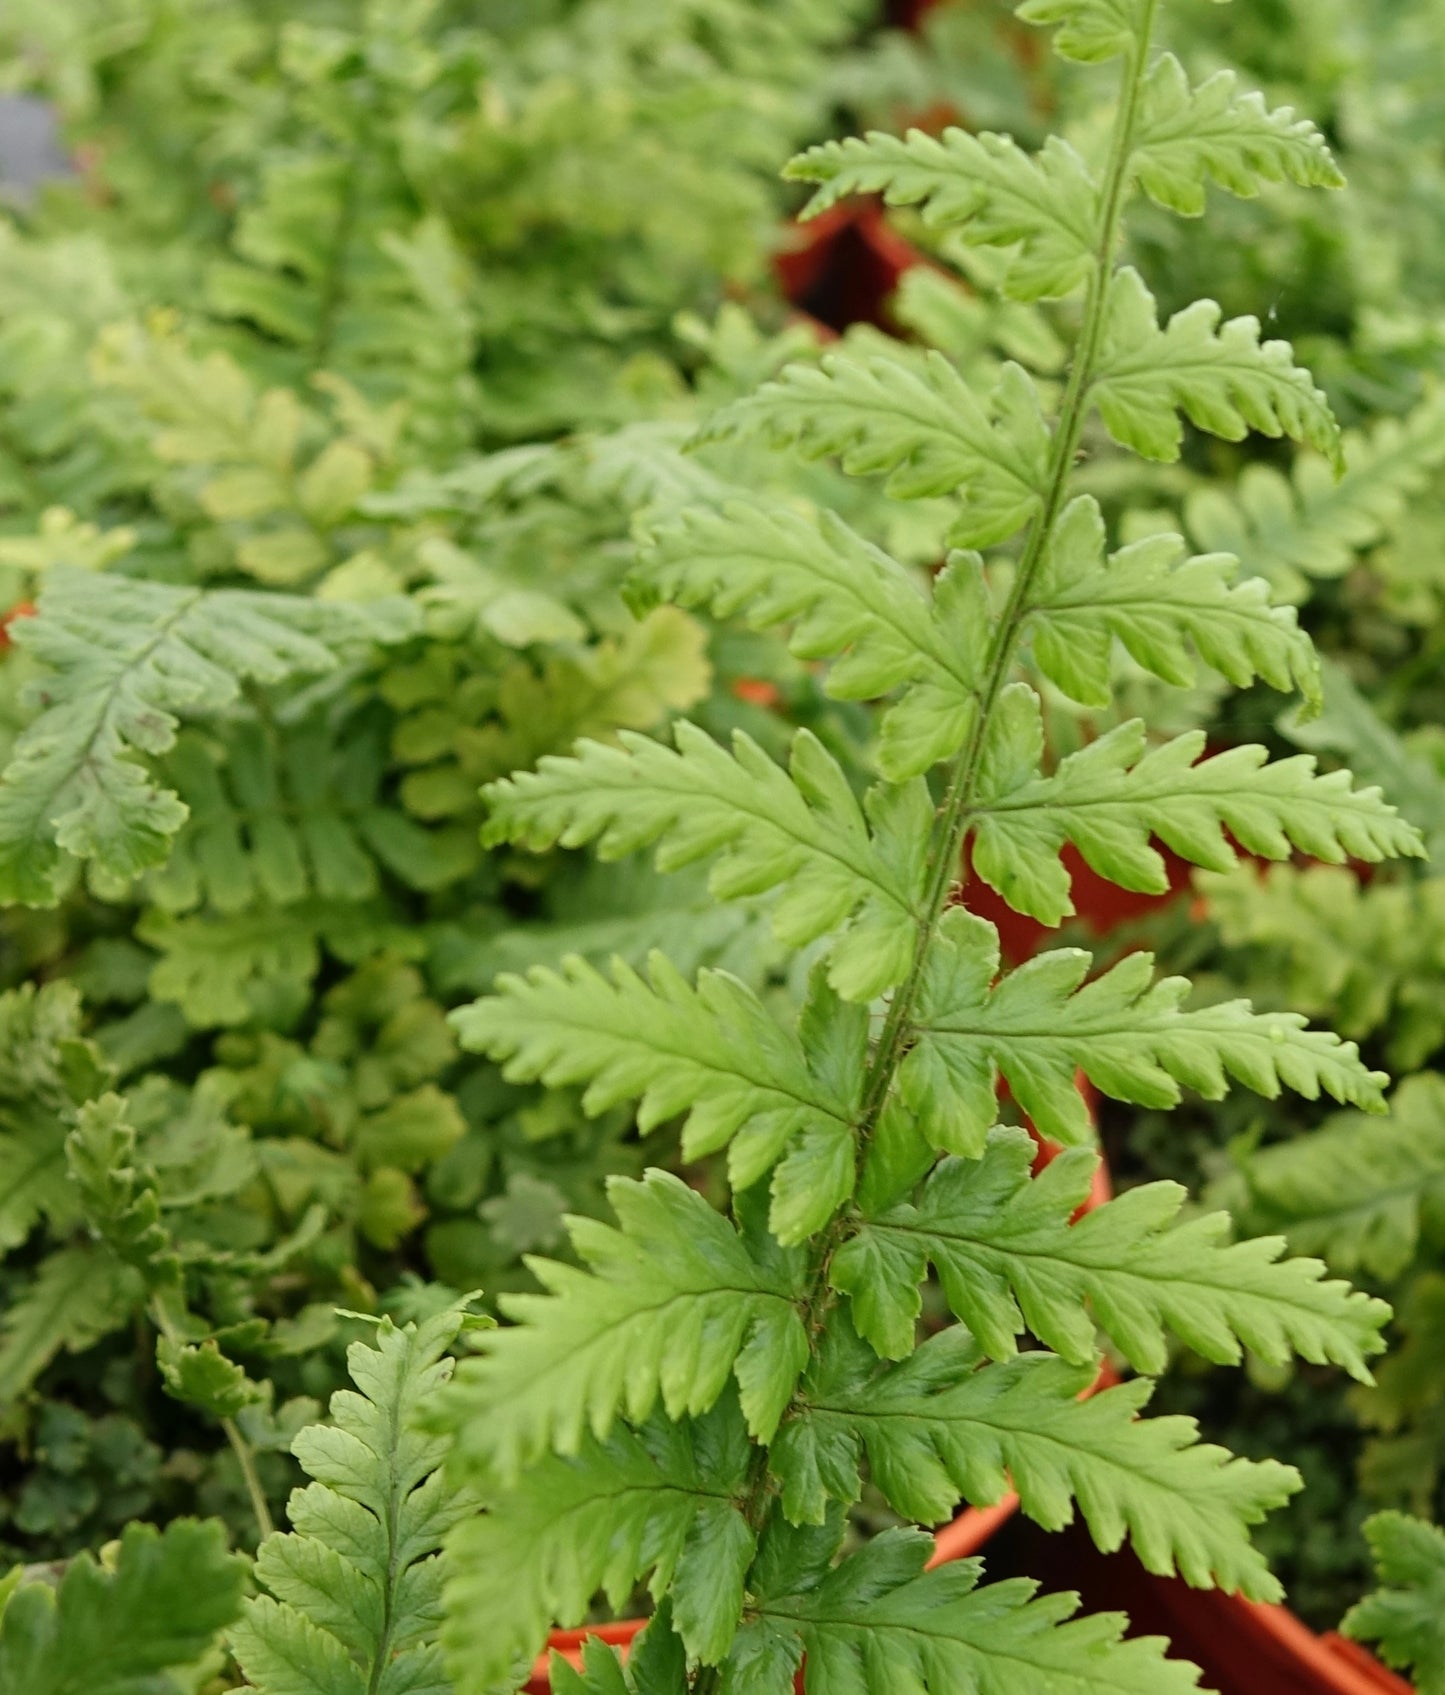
<point x="681" y="1325"/>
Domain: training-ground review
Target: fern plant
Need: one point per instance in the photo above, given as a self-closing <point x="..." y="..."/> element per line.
<point x="695" y="1402"/>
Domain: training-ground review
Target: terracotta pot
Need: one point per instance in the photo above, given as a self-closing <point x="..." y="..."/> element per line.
<point x="1101" y="906"/>
<point x="1242" y="1647"/>
<point x="22" y="609"/>
<point x="842" y="267"/>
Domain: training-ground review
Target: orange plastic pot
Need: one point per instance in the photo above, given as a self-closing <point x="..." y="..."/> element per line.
<point x="957" y="1541"/>
<point x="1242" y="1647"/>
<point x="843" y="267"/>
<point x="1100" y="906"/>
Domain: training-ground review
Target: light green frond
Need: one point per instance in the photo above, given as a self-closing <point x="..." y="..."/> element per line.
<point x="124" y="661"/>
<point x="1220" y="376"/>
<point x="714" y="1053"/>
<point x="279" y="817"/>
<point x="1090" y="31"/>
<point x="1045" y="206"/>
<point x="118" y="1195"/>
<point x="351" y="1596"/>
<point x="658" y="1503"/>
<point x="834" y="864"/>
<point x="1358" y="1191"/>
<point x="1008" y="1257"/>
<point x="73" y="1298"/>
<point x="1312" y="524"/>
<point x="936" y="1428"/>
<point x="1188" y="137"/>
<point x="119" y="1628"/>
<point x="774" y="565"/>
<point x="47" y="1070"/>
<point x="671" y="1304"/>
<point x="1164" y="609"/>
<point x="929" y="431"/>
<point x="1405" y="1618"/>
<point x="1043" y="1024"/>
<point x="1112" y="797"/>
<point x="880" y="1621"/>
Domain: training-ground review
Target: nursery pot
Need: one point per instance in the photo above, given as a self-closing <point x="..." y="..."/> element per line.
<point x="1242" y="1647"/>
<point x="843" y="267"/>
<point x="966" y="1536"/>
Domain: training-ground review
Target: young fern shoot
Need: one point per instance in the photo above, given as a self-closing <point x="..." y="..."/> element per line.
<point x="695" y="1403"/>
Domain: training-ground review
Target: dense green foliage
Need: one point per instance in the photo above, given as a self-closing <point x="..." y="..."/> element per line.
<point x="379" y="424"/>
<point x="738" y="1370"/>
<point x="326" y="390"/>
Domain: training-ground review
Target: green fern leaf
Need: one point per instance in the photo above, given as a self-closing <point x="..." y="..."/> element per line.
<point x="1008" y="1256"/>
<point x="73" y="1298"/>
<point x="1110" y="798"/>
<point x="1357" y="1191"/>
<point x="353" y="1591"/>
<point x="47" y="1070"/>
<point x="125" y="660"/>
<point x="672" y="1304"/>
<point x="1190" y="136"/>
<point x="1090" y="31"/>
<point x="656" y="1664"/>
<point x="1222" y="377"/>
<point x="118" y="1628"/>
<point x="807" y="837"/>
<point x="713" y="1052"/>
<point x="772" y="565"/>
<point x="926" y="428"/>
<point x="1406" y="1619"/>
<point x="1046" y="207"/>
<point x="120" y="1200"/>
<point x="1312" y="523"/>
<point x="1158" y="605"/>
<point x="879" y="1620"/>
<point x="656" y="1503"/>
<point x="936" y="1428"/>
<point x="1042" y="1024"/>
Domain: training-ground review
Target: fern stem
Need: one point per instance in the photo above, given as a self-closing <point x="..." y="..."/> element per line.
<point x="240" y="1447"/>
<point x="954" y="813"/>
<point x="246" y="1459"/>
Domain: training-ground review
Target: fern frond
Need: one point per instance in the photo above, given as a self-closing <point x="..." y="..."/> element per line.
<point x="836" y="865"/>
<point x="1188" y="137"/>
<point x="118" y="1628"/>
<point x="879" y="1620"/>
<point x="352" y="1593"/>
<point x="713" y="1052"/>
<point x="120" y="1198"/>
<point x="1090" y="31"/>
<point x="1406" y="1617"/>
<point x="659" y="1503"/>
<point x="1313" y="523"/>
<point x="936" y="1429"/>
<point x="1041" y="1025"/>
<point x="125" y="660"/>
<point x="1357" y="1191"/>
<point x="75" y="1296"/>
<point x="1116" y="793"/>
<point x="47" y="1071"/>
<point x="1158" y="605"/>
<point x="773" y="565"/>
<point x="1220" y="376"/>
<point x="1008" y="1257"/>
<point x="283" y="816"/>
<point x="672" y="1303"/>
<point x="1046" y="206"/>
<point x="927" y="429"/>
